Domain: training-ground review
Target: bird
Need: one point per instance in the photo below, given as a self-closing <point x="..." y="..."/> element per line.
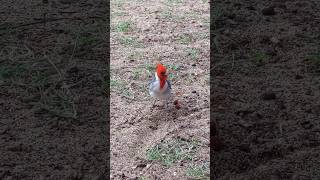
<point x="159" y="86"/>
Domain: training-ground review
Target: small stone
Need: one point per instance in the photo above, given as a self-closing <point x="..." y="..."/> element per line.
<point x="141" y="165"/>
<point x="298" y="76"/>
<point x="274" y="40"/>
<point x="269" y="96"/>
<point x="176" y="102"/>
<point x="269" y="11"/>
<point x="74" y="69"/>
<point x="244" y="124"/>
<point x="153" y="127"/>
<point x="306" y="124"/>
<point x="194" y="92"/>
<point x="244" y="147"/>
<point x="271" y="52"/>
<point x="309" y="92"/>
<point x="251" y="8"/>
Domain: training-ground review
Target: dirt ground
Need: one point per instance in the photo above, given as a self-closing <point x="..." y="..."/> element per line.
<point x="177" y="32"/>
<point x="266" y="89"/>
<point x="52" y="93"/>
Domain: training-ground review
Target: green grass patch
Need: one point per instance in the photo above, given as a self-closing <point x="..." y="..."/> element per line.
<point x="137" y="73"/>
<point x="130" y="41"/>
<point x="217" y="14"/>
<point x="135" y="56"/>
<point x="39" y="79"/>
<point x="170" y="152"/>
<point x="59" y="102"/>
<point x="5" y="72"/>
<point x="167" y="14"/>
<point x="314" y="59"/>
<point x="121" y="88"/>
<point x="185" y="39"/>
<point x="118" y="3"/>
<point x="124" y="26"/>
<point x="119" y="13"/>
<point x="193" y="53"/>
<point x="7" y="28"/>
<point x="87" y="40"/>
<point x="12" y="71"/>
<point x="140" y="69"/>
<point x="198" y="171"/>
<point x="206" y="23"/>
<point x="142" y="178"/>
<point x="174" y="67"/>
<point x="150" y="68"/>
<point x="174" y="1"/>
<point x="259" y="58"/>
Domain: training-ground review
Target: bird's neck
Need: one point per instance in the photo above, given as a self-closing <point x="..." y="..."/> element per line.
<point x="162" y="80"/>
<point x="162" y="83"/>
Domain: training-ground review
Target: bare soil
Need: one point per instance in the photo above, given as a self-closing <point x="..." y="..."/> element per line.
<point x="52" y="89"/>
<point x="266" y="89"/>
<point x="178" y="33"/>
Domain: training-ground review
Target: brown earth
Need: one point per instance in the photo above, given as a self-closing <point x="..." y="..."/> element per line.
<point x="177" y="32"/>
<point x="266" y="89"/>
<point x="52" y="100"/>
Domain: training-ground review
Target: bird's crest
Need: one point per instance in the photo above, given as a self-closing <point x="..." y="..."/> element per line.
<point x="162" y="74"/>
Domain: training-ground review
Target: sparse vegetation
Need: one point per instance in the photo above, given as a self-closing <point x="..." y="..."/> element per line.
<point x="118" y="3"/>
<point x="315" y="59"/>
<point x="121" y="88"/>
<point x="172" y="3"/>
<point x="168" y="31"/>
<point x="193" y="53"/>
<point x="185" y="39"/>
<point x="135" y="56"/>
<point x="137" y="73"/>
<point x="124" y="26"/>
<point x="170" y="152"/>
<point x="173" y="67"/>
<point x="259" y="58"/>
<point x="217" y="14"/>
<point x="198" y="171"/>
<point x="119" y="13"/>
<point x="129" y="41"/>
<point x="142" y="178"/>
<point x="169" y="15"/>
<point x="11" y="71"/>
<point x="87" y="40"/>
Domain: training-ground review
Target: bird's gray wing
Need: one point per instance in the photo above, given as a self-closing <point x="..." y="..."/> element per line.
<point x="169" y="84"/>
<point x="152" y="80"/>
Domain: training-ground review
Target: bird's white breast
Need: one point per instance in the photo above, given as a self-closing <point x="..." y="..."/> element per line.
<point x="154" y="87"/>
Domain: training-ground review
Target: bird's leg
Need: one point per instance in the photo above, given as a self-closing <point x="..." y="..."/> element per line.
<point x="154" y="102"/>
<point x="167" y="102"/>
<point x="167" y="99"/>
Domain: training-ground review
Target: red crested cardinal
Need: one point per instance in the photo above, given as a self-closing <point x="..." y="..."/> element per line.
<point x="159" y="86"/>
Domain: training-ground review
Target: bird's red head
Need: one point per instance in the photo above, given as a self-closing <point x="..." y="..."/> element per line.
<point x="162" y="74"/>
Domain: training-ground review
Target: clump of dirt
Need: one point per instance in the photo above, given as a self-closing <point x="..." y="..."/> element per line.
<point x="177" y="32"/>
<point x="265" y="85"/>
<point x="53" y="106"/>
